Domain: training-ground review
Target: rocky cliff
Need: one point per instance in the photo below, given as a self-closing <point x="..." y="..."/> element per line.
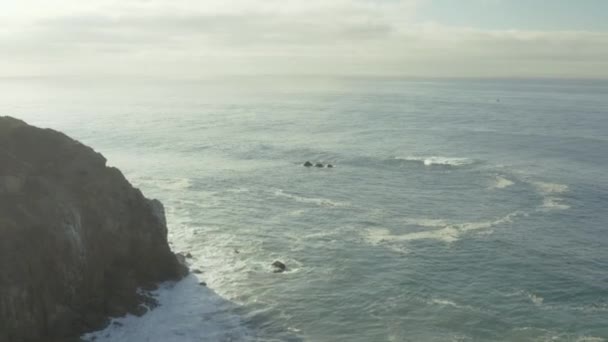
<point x="76" y="239"/>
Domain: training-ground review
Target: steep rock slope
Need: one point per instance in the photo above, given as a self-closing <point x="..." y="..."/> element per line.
<point x="76" y="239"/>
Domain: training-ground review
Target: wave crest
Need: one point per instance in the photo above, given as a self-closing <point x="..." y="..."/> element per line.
<point x="325" y="202"/>
<point x="550" y="191"/>
<point x="502" y="182"/>
<point x="550" y="188"/>
<point x="450" y="232"/>
<point x="437" y="160"/>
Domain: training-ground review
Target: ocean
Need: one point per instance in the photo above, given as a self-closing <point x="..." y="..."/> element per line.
<point x="456" y="210"/>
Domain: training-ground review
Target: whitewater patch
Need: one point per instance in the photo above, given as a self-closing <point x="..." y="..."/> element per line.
<point x="238" y="190"/>
<point x="550" y="188"/>
<point x="550" y="193"/>
<point x="544" y="335"/>
<point x="501" y="183"/>
<point x="437" y="160"/>
<point x="423" y="222"/>
<point x="450" y="232"/>
<point x="469" y="226"/>
<point x="187" y="312"/>
<point x="173" y="183"/>
<point x="443" y="302"/>
<point x="449" y="303"/>
<point x="590" y="339"/>
<point x="535" y="299"/>
<point x="532" y="297"/>
<point x="554" y="203"/>
<point x="380" y="236"/>
<point x="324" y="202"/>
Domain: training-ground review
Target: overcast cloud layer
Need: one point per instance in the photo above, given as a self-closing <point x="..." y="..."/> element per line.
<point x="184" y="38"/>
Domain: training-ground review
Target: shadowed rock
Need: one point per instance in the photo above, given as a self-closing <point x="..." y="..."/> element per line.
<point x="76" y="239"/>
<point x="307" y="164"/>
<point x="319" y="165"/>
<point x="278" y="267"/>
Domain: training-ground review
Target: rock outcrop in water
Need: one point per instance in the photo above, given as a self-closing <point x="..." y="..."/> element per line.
<point x="76" y="239"/>
<point x="278" y="267"/>
<point x="318" y="165"/>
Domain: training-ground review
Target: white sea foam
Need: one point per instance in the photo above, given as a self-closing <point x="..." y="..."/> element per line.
<point x="537" y="300"/>
<point x="436" y="160"/>
<point x="443" y="302"/>
<point x="379" y="236"/>
<point x="446" y="302"/>
<point x="550" y="192"/>
<point x="325" y="202"/>
<point x="590" y="339"/>
<point x="323" y="234"/>
<point x="238" y="190"/>
<point x="424" y="222"/>
<point x="174" y="184"/>
<point x="550" y="188"/>
<point x="546" y="335"/>
<point x="187" y="312"/>
<point x="450" y="232"/>
<point x="534" y="298"/>
<point x="554" y="203"/>
<point x="502" y="182"/>
<point x="469" y="226"/>
<point x="595" y="307"/>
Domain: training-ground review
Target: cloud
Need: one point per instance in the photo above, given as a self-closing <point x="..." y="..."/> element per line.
<point x="193" y="38"/>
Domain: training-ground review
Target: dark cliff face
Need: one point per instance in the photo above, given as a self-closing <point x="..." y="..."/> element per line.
<point x="76" y="239"/>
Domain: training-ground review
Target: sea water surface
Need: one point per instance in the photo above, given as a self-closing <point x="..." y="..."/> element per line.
<point x="457" y="210"/>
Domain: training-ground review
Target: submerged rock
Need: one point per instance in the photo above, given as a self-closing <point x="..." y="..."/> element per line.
<point x="319" y="165"/>
<point x="278" y="267"/>
<point x="77" y="241"/>
<point x="330" y="166"/>
<point x="307" y="164"/>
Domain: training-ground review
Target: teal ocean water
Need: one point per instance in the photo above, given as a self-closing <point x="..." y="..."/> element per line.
<point x="457" y="210"/>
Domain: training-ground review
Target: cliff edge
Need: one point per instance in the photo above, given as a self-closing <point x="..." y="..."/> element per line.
<point x="76" y="239"/>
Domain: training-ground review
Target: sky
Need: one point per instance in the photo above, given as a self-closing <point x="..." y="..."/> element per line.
<point x="195" y="38"/>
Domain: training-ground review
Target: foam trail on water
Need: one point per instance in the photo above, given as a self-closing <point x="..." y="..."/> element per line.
<point x="383" y="235"/>
<point x="443" y="302"/>
<point x="311" y="200"/>
<point x="554" y="203"/>
<point x="448" y="303"/>
<point x="187" y="312"/>
<point x="535" y="299"/>
<point x="502" y="182"/>
<point x="431" y="223"/>
<point x="437" y="160"/>
<point x="174" y="184"/>
<point x="550" y="192"/>
<point x="590" y="339"/>
<point x="449" y="233"/>
<point x="550" y="188"/>
<point x="469" y="226"/>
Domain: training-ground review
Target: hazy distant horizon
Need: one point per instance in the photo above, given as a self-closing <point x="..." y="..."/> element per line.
<point x="377" y="38"/>
<point x="228" y="77"/>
